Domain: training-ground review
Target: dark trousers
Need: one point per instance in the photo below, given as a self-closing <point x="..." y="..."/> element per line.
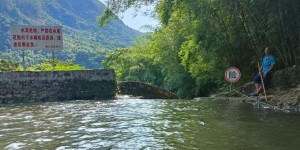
<point x="267" y="79"/>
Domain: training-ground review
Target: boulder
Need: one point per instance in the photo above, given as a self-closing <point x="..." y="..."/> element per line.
<point x="286" y="78"/>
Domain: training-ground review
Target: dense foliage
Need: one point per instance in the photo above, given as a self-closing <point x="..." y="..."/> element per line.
<point x="56" y="65"/>
<point x="84" y="41"/>
<point x="7" y="65"/>
<point x="198" y="39"/>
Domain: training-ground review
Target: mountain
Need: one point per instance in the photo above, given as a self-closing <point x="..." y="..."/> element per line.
<point x="84" y="41"/>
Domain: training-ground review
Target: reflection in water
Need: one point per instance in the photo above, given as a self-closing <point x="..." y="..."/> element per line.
<point x="146" y="124"/>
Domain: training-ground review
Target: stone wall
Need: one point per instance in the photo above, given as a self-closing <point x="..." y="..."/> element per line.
<point x="144" y="90"/>
<point x="56" y="85"/>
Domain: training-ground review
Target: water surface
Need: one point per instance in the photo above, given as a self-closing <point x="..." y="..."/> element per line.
<point x="146" y="124"/>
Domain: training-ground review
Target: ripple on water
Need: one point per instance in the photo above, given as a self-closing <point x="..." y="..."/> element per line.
<point x="25" y="134"/>
<point x="62" y="147"/>
<point x="144" y="124"/>
<point x="42" y="140"/>
<point x="16" y="145"/>
<point x="71" y="132"/>
<point x="91" y="130"/>
<point x="29" y="117"/>
<point x="7" y="123"/>
<point x="11" y="129"/>
<point x="42" y="132"/>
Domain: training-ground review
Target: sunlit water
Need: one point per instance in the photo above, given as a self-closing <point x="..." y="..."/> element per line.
<point x="146" y="124"/>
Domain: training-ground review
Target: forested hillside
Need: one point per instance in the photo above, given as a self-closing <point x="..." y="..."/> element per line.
<point x="84" y="41"/>
<point x="199" y="39"/>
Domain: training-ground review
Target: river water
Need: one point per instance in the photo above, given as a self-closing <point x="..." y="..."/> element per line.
<point x="147" y="124"/>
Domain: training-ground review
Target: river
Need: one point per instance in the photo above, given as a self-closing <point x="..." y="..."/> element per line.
<point x="147" y="124"/>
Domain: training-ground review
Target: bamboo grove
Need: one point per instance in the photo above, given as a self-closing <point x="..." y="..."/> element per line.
<point x="198" y="39"/>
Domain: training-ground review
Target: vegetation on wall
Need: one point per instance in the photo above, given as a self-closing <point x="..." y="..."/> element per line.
<point x="7" y="65"/>
<point x="56" y="65"/>
<point x="50" y="65"/>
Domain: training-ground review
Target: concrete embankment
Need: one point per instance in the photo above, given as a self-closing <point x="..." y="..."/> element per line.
<point x="30" y="86"/>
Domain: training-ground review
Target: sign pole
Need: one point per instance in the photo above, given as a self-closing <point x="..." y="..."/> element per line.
<point x="23" y="61"/>
<point x="53" y="57"/>
<point x="232" y="75"/>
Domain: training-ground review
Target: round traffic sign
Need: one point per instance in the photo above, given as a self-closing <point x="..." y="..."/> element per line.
<point x="233" y="74"/>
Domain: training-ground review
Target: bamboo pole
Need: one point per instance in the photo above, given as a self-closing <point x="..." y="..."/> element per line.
<point x="262" y="82"/>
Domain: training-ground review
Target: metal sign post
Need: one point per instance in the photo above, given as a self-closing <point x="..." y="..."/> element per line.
<point x="232" y="75"/>
<point x="53" y="60"/>
<point x="23" y="60"/>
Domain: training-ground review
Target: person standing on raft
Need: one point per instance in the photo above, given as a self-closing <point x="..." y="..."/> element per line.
<point x="265" y="72"/>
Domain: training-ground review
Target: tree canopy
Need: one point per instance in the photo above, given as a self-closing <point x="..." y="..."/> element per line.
<point x="199" y="39"/>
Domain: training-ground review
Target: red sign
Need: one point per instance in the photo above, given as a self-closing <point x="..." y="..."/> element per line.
<point x="233" y="75"/>
<point x="25" y="37"/>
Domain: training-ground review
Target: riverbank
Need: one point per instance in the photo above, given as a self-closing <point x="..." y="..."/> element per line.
<point x="283" y="93"/>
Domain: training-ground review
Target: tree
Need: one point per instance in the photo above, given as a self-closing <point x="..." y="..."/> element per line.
<point x="199" y="39"/>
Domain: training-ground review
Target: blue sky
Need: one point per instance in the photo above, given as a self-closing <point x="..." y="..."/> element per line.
<point x="137" y="19"/>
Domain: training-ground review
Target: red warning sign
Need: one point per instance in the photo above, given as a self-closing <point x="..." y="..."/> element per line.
<point x="233" y="75"/>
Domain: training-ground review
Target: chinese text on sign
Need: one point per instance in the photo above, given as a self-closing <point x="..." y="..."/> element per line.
<point x="36" y="37"/>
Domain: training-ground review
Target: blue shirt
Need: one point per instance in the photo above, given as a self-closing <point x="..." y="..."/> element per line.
<point x="267" y="62"/>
